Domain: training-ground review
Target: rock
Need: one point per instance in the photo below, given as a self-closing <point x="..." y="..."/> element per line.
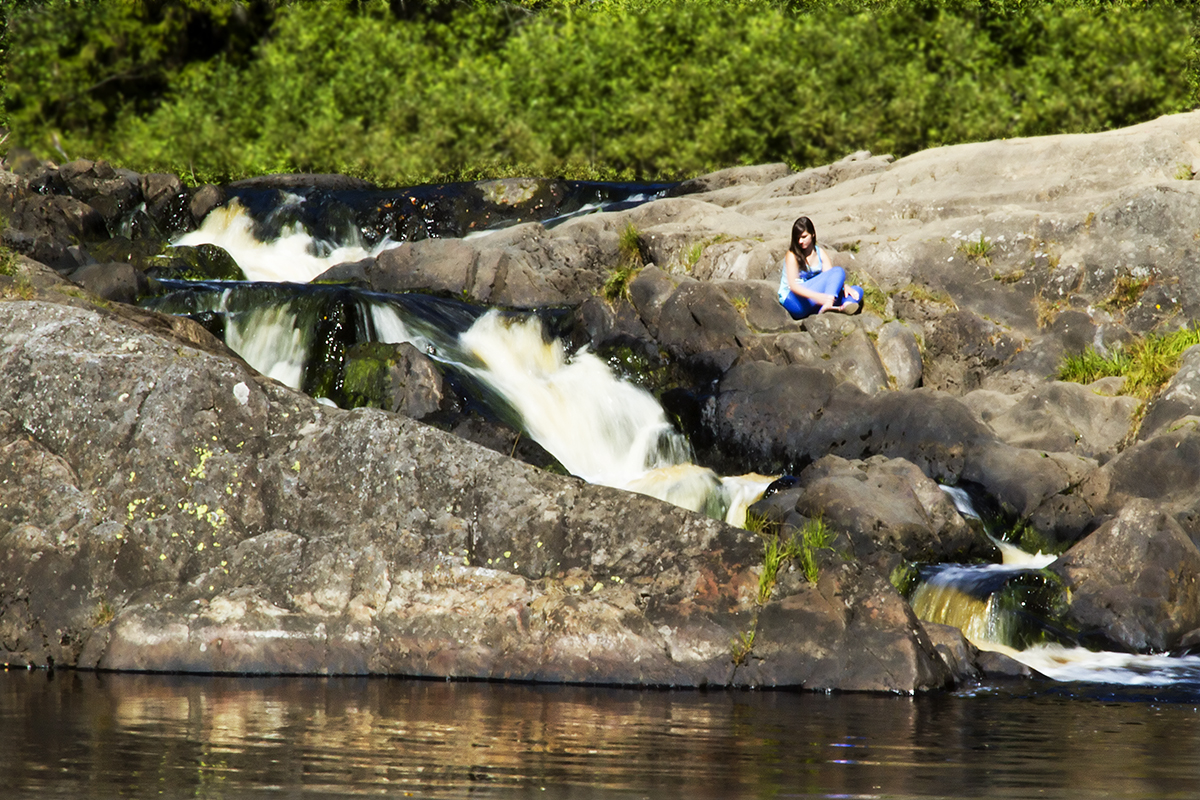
<point x="960" y="656"/>
<point x="1067" y="417"/>
<point x="46" y="227"/>
<point x="889" y="505"/>
<point x="113" y="193"/>
<point x="120" y="282"/>
<point x="699" y="324"/>
<point x="1136" y="580"/>
<point x="900" y="355"/>
<point x="734" y="176"/>
<point x="1180" y="398"/>
<point x="398" y="378"/>
<point x="855" y="359"/>
<point x="961" y="349"/>
<point x="881" y="648"/>
<point x="204" y="200"/>
<point x="222" y="529"/>
<point x="1165" y="469"/>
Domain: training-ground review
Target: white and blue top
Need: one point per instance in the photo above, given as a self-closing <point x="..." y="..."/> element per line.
<point x="785" y="290"/>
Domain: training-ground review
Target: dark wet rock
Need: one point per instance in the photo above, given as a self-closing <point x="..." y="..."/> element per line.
<point x="167" y="204"/>
<point x="45" y="228"/>
<point x="202" y="262"/>
<point x="119" y="281"/>
<point x="398" y="378"/>
<point x="204" y="200"/>
<point x="113" y="193"/>
<point x="1136" y="580"/>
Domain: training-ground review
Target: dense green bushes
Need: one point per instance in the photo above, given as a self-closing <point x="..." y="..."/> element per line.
<point x="404" y="92"/>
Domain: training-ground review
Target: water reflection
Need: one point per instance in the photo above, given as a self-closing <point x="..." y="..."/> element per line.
<point x="71" y="734"/>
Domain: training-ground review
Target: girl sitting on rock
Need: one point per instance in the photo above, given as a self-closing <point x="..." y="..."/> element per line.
<point x="810" y="283"/>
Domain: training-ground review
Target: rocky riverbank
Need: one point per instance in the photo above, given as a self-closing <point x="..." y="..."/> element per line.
<point x="165" y="507"/>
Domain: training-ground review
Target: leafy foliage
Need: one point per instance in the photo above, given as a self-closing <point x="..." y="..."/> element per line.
<point x="405" y="91"/>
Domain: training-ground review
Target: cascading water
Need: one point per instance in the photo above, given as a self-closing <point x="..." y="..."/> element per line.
<point x="1015" y="607"/>
<point x="295" y="256"/>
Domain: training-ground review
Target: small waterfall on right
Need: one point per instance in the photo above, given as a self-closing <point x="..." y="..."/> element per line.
<point x="1018" y="608"/>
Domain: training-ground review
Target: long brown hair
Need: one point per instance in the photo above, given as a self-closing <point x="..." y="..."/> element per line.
<point x="798" y="227"/>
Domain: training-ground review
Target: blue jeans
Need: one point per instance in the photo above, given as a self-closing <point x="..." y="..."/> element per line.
<point x="831" y="281"/>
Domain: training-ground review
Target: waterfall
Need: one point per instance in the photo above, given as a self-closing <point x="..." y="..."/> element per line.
<point x="295" y="256"/>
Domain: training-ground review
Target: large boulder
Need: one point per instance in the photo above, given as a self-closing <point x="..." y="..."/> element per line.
<point x="169" y="509"/>
<point x="889" y="505"/>
<point x="1135" y="581"/>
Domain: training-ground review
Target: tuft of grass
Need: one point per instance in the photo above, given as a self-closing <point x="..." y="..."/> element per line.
<point x="923" y="294"/>
<point x="1126" y="292"/>
<point x="740" y="303"/>
<point x="1146" y="364"/>
<point x="874" y="298"/>
<point x="8" y="262"/>
<point x="979" y="251"/>
<point x="629" y="246"/>
<point x="104" y="614"/>
<point x="1183" y="172"/>
<point x="629" y="263"/>
<point x="1047" y="311"/>
<point x="616" y="286"/>
<point x="802" y="547"/>
<point x="815" y="536"/>
<point x="692" y="257"/>
<point x="740" y="648"/>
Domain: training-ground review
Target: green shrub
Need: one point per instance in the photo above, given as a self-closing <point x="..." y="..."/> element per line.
<point x="610" y="89"/>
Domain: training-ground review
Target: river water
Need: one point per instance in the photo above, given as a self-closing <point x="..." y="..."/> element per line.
<point x="80" y="734"/>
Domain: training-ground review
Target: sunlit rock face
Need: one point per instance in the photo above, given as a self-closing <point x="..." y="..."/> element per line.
<point x="167" y="508"/>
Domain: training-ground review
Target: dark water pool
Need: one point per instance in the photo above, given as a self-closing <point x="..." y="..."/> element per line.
<point x="85" y="735"/>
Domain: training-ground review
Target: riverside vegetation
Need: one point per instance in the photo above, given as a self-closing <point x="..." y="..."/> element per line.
<point x="406" y="92"/>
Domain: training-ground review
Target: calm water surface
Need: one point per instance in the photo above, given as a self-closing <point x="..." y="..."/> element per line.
<point x="83" y="735"/>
